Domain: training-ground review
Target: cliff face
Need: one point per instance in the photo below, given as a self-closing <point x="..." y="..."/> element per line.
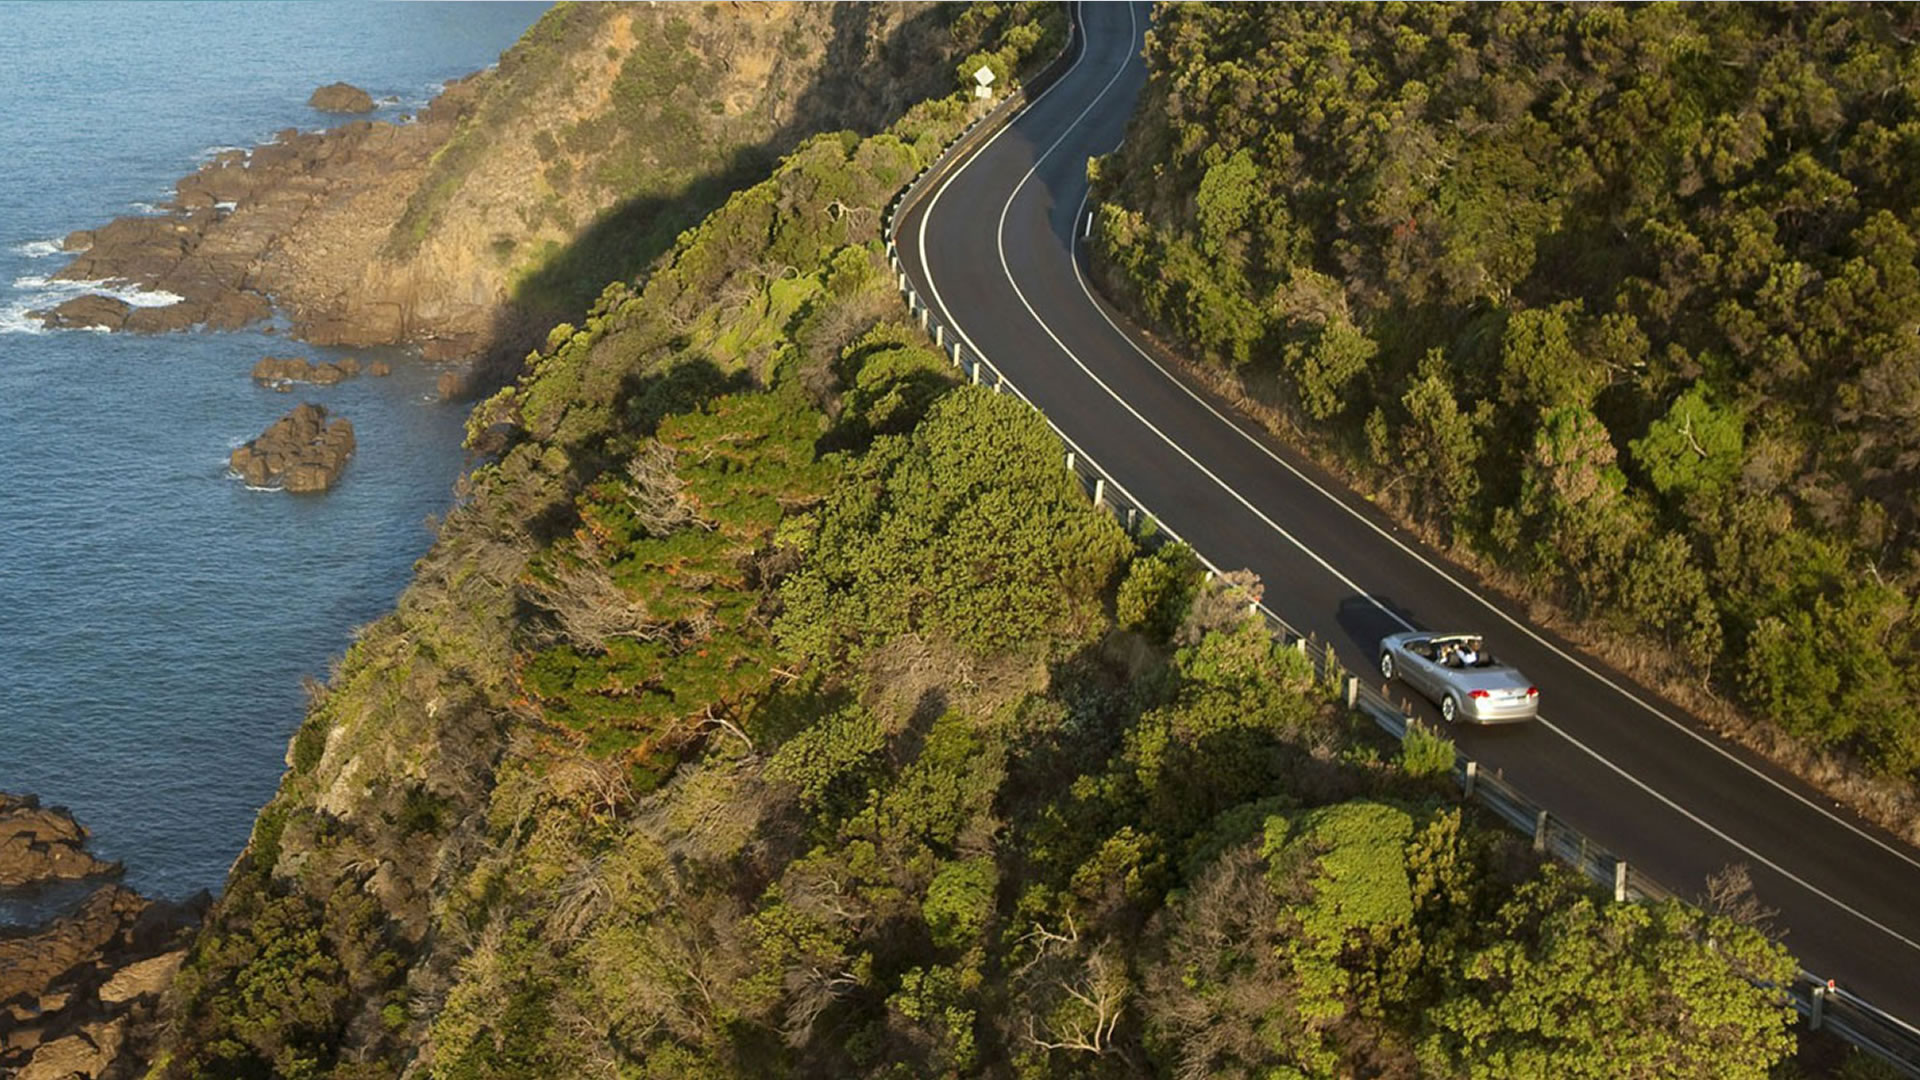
<point x="602" y="134"/>
<point x="360" y="934"/>
<point x="599" y="137"/>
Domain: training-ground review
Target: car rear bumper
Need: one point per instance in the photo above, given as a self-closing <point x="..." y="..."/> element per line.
<point x="1483" y="711"/>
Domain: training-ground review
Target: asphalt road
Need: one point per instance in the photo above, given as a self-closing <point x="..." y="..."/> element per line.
<point x="994" y="247"/>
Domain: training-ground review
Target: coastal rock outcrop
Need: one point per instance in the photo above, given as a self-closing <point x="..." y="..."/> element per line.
<point x="341" y="98"/>
<point x="39" y="844"/>
<point x="371" y="234"/>
<point x="293" y="369"/>
<point x="86" y="313"/>
<point x="78" y="993"/>
<point x="303" y="451"/>
<point x="283" y="369"/>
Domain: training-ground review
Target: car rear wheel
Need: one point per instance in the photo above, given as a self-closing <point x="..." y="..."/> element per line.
<point x="1386" y="664"/>
<point x="1449" y="709"/>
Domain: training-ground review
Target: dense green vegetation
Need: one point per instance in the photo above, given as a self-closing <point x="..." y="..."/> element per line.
<point x="1624" y="299"/>
<point x="773" y="705"/>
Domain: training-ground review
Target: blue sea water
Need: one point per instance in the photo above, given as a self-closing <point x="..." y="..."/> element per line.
<point x="156" y="616"/>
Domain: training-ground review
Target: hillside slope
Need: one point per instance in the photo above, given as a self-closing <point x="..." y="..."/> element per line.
<point x="773" y="705"/>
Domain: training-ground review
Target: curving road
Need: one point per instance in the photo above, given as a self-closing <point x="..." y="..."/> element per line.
<point x="994" y="247"/>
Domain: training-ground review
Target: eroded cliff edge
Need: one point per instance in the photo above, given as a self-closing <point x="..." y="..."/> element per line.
<point x="510" y="201"/>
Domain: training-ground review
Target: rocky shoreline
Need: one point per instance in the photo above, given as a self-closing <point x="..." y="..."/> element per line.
<point x="252" y="231"/>
<point x="41" y="844"/>
<point x="80" y="993"/>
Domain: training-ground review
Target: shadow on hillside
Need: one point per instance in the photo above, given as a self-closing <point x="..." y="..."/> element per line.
<point x="866" y="88"/>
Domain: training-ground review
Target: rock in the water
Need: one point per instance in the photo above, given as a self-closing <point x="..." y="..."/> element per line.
<point x="283" y="369"/>
<point x="328" y="373"/>
<point x="43" y="844"/>
<point x="292" y="369"/>
<point x="341" y="98"/>
<point x="77" y="240"/>
<point x="302" y="451"/>
<point x="84" y="312"/>
<point x="379" y="369"/>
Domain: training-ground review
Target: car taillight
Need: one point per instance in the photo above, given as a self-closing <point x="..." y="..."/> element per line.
<point x="1477" y="693"/>
<point x="1533" y="691"/>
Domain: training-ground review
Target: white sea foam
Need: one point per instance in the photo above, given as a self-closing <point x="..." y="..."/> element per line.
<point x="226" y="207"/>
<point x="145" y="208"/>
<point x="46" y="291"/>
<point x="38" y="249"/>
<point x="212" y="152"/>
<point x="15" y="320"/>
<point x="41" y="292"/>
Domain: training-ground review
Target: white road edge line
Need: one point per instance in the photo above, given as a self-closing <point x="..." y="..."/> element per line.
<point x="1073" y="255"/>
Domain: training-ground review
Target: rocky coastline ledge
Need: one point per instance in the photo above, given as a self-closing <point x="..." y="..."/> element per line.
<point x="79" y="993"/>
<point x="294" y="224"/>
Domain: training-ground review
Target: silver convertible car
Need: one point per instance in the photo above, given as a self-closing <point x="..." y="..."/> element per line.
<point x="1458" y="674"/>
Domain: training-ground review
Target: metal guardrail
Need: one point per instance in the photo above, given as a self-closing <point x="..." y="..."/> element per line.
<point x="1823" y="1005"/>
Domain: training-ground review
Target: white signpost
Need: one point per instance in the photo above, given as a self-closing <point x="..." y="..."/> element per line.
<point x="983" y="77"/>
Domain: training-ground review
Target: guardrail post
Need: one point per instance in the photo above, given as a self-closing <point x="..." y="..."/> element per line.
<point x="1619" y="881"/>
<point x="957" y="362"/>
<point x="1133" y="515"/>
<point x="977" y="365"/>
<point x="1473" y="778"/>
<point x="1100" y="491"/>
<point x="903" y="283"/>
<point x="1817" y="1015"/>
<point x="923" y="318"/>
<point x="940" y="337"/>
<point x="1069" y="461"/>
<point x="1353" y="692"/>
<point x="1540" y="834"/>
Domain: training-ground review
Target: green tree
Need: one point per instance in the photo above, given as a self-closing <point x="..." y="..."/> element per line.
<point x="1696" y="446"/>
<point x="1581" y="988"/>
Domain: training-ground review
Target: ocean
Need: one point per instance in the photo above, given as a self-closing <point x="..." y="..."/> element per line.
<point x="157" y="617"/>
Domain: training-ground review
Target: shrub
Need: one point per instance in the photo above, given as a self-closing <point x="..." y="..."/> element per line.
<point x="1425" y="753"/>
